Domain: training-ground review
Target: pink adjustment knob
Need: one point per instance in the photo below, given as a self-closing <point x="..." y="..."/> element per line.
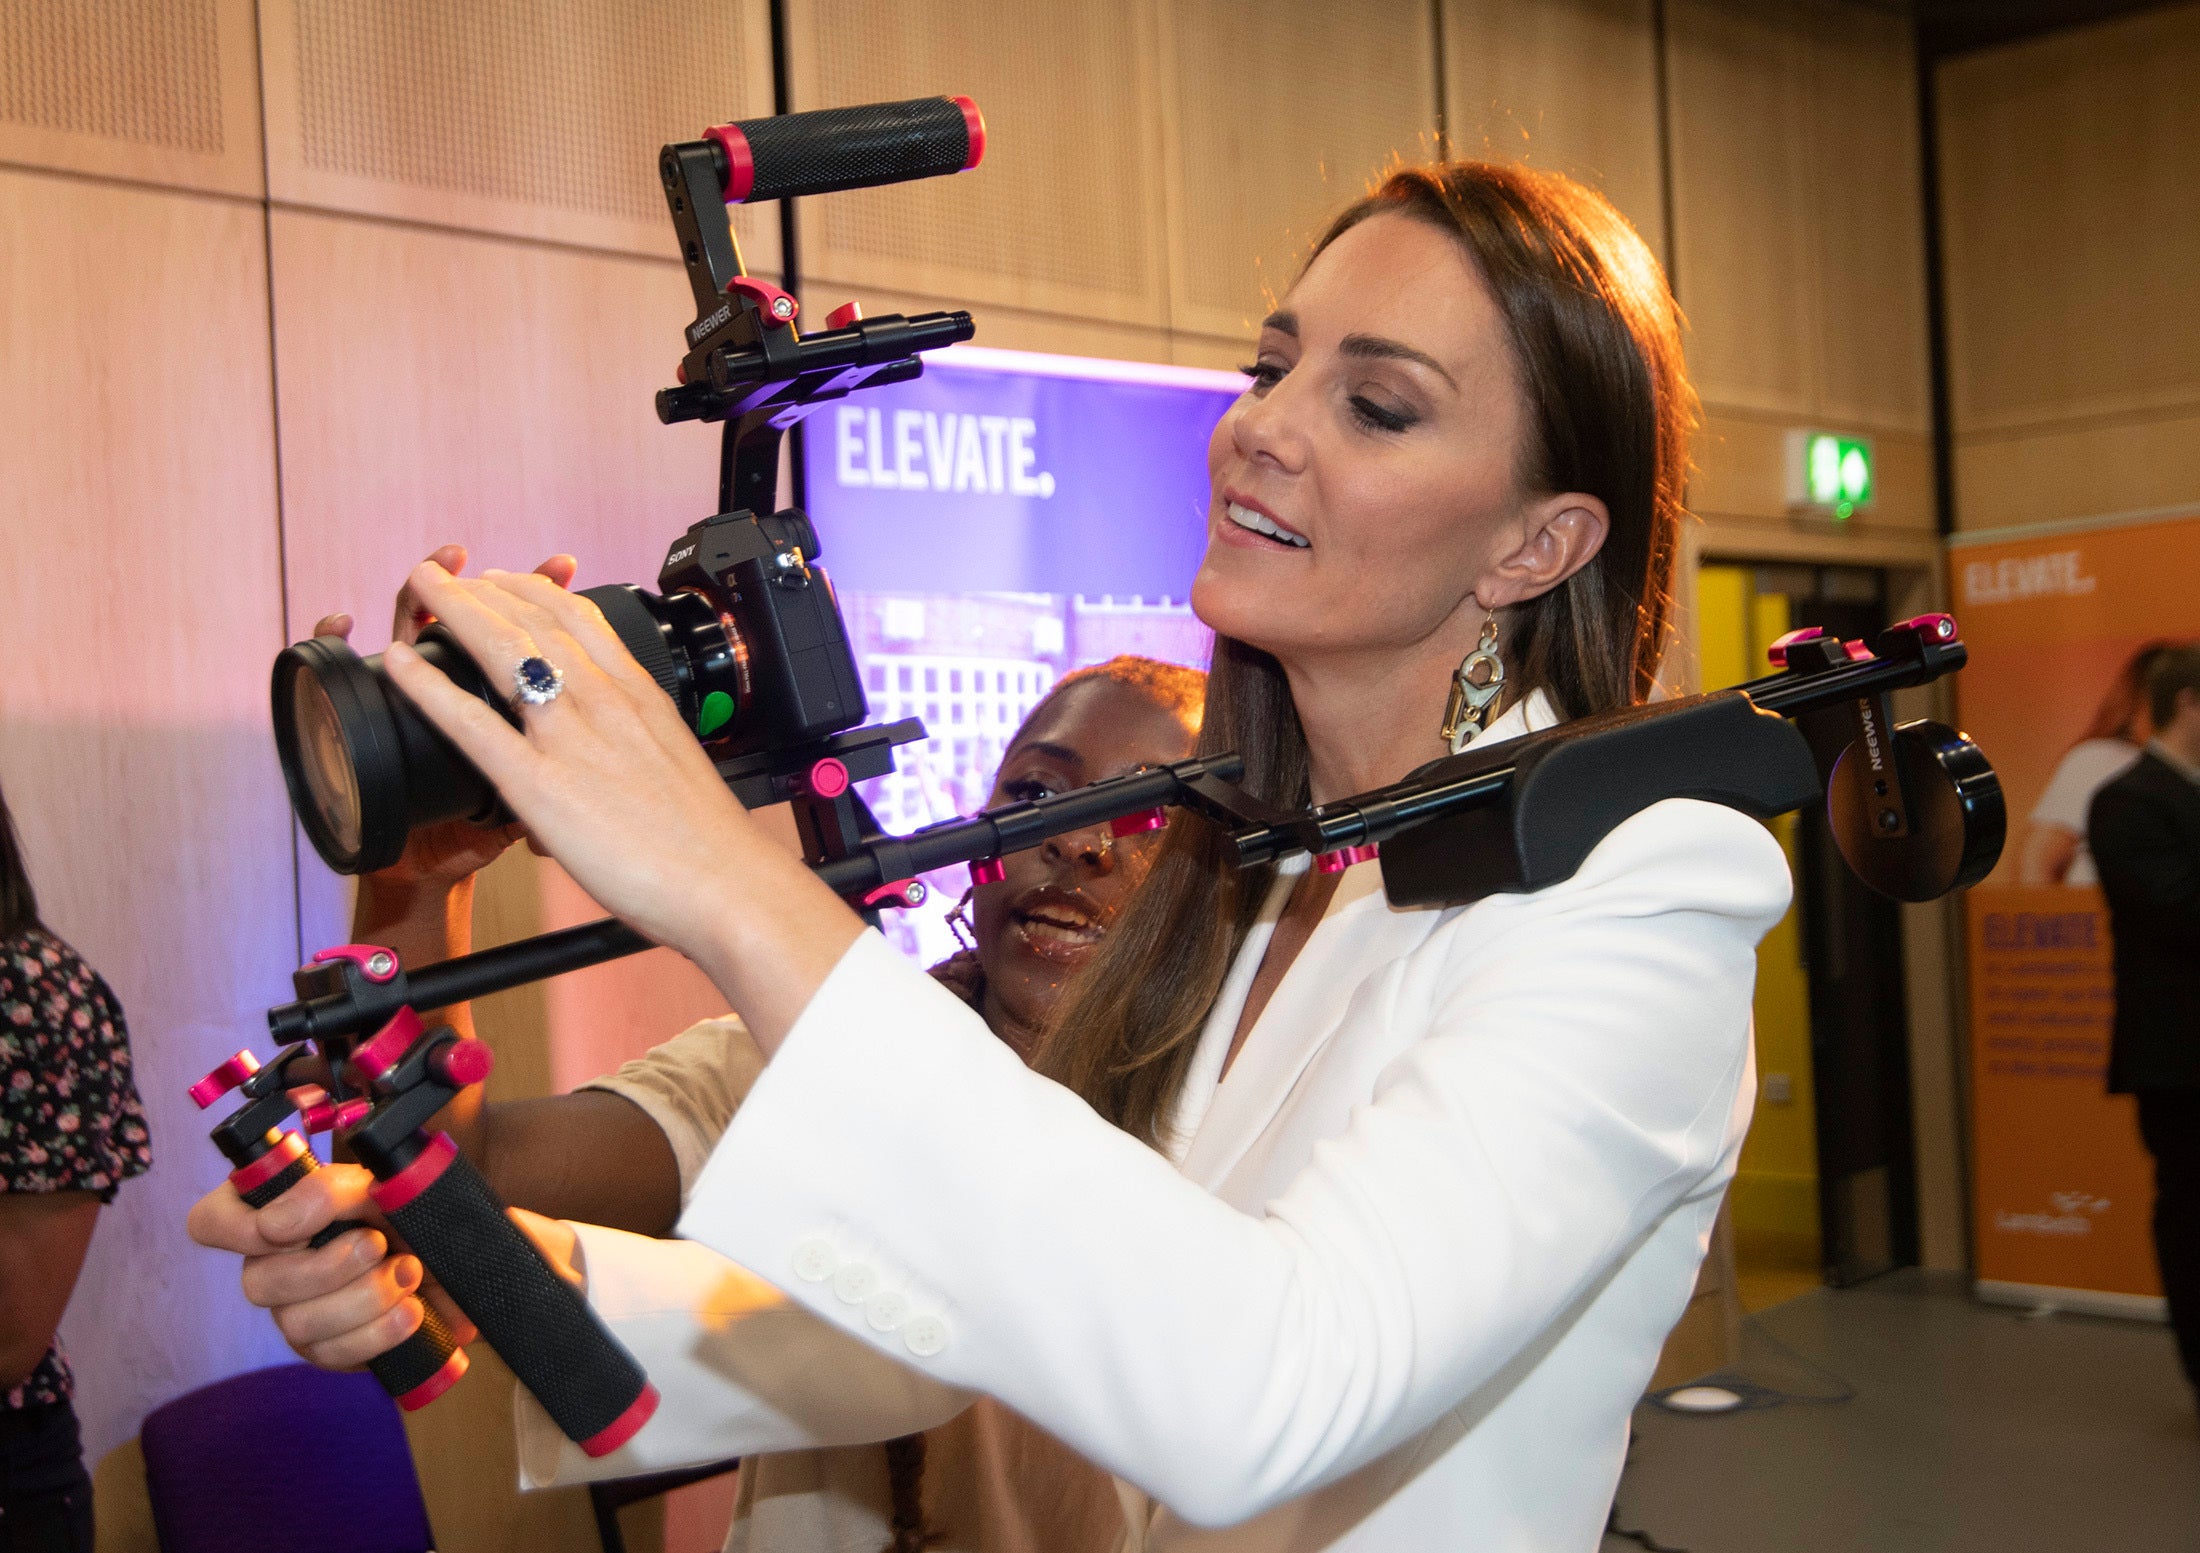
<point x="1778" y="651"/>
<point x="777" y="307"/>
<point x="389" y="1045"/>
<point x="844" y="315"/>
<point x="1940" y="628"/>
<point x="1857" y="651"/>
<point x="988" y="870"/>
<point x="1344" y="857"/>
<point x="463" y="1063"/>
<point x="907" y="892"/>
<point x="1138" y="824"/>
<point x="380" y="964"/>
<point x="335" y="1115"/>
<point x="827" y="779"/>
<point x="223" y="1079"/>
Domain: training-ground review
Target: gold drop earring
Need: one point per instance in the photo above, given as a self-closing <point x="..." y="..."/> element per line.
<point x="1476" y="685"/>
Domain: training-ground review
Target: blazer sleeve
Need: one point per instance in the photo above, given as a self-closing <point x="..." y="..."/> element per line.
<point x="736" y="1367"/>
<point x="2149" y="872"/>
<point x="898" y="1172"/>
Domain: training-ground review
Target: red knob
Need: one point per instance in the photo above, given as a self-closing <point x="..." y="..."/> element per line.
<point x="1344" y="857"/>
<point x="828" y="778"/>
<point x="776" y="306"/>
<point x="844" y="315"/>
<point x="1138" y="824"/>
<point x="988" y="870"/>
<point x="379" y="964"/>
<point x="1939" y="628"/>
<point x="334" y="1115"/>
<point x="1778" y="651"/>
<point x="223" y="1079"/>
<point x="463" y="1063"/>
<point x="389" y="1045"/>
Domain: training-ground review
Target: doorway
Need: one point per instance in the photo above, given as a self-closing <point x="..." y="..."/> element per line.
<point x="1826" y="1190"/>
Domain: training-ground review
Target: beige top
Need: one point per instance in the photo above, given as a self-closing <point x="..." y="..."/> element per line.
<point x="993" y="1482"/>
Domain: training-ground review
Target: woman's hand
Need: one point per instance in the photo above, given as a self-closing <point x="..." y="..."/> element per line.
<point x="611" y="782"/>
<point x="342" y="1304"/>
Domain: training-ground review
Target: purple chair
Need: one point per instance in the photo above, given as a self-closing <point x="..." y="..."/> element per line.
<point x="290" y="1457"/>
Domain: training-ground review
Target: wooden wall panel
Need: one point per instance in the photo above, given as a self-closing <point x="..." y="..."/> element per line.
<point x="140" y="606"/>
<point x="1742" y="257"/>
<point x="1276" y="117"/>
<point x="1866" y="170"/>
<point x="1568" y="85"/>
<point x="2071" y="223"/>
<point x="1799" y="243"/>
<point x="535" y="118"/>
<point x="156" y="91"/>
<point x="2129" y="464"/>
<point x="1065" y="213"/>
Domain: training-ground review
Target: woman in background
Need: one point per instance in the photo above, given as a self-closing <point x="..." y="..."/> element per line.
<point x="71" y="1130"/>
<point x="2054" y="849"/>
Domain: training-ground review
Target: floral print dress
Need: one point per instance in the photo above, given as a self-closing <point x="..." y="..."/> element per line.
<point x="70" y="1120"/>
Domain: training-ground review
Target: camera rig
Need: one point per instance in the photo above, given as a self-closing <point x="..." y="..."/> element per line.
<point x="1915" y="809"/>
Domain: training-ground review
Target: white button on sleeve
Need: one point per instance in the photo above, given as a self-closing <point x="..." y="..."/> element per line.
<point x="924" y="1335"/>
<point x="815" y="1260"/>
<point x="856" y="1282"/>
<point x="885" y="1310"/>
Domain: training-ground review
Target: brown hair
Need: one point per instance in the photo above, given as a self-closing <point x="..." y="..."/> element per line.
<point x="18" y="902"/>
<point x="1595" y="338"/>
<point x="1177" y="688"/>
<point x="2173" y="671"/>
<point x="2118" y="713"/>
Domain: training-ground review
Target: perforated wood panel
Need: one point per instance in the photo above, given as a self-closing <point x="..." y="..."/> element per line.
<point x="140" y="605"/>
<point x="162" y="91"/>
<point x="1799" y="239"/>
<point x="2071" y="207"/>
<point x="1278" y="116"/>
<point x="1569" y="85"/>
<point x="537" y="118"/>
<point x="1065" y="213"/>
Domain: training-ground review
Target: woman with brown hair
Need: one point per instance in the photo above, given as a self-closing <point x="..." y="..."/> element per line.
<point x="1360" y="1226"/>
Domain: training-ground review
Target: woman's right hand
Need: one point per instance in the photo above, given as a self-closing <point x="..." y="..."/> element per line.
<point x="337" y="1306"/>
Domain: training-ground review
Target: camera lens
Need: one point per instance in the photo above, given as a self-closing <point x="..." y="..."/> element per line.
<point x="324" y="765"/>
<point x="365" y="769"/>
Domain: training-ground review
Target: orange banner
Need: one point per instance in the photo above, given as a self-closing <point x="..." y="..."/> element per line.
<point x="2059" y="626"/>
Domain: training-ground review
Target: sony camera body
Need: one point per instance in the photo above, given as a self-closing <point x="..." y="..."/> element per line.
<point x="788" y="675"/>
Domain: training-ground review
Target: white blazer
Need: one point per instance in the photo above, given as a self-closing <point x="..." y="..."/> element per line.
<point x="1405" y="1277"/>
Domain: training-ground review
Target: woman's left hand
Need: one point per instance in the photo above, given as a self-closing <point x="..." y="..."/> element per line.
<point x="610" y="781"/>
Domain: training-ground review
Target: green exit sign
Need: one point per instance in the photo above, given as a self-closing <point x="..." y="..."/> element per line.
<point x="1828" y="473"/>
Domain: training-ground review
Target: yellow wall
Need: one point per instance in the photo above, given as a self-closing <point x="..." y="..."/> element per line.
<point x="1775" y="1195"/>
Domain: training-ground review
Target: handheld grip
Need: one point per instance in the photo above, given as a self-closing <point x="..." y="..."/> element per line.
<point x="424" y="1365"/>
<point x="830" y="149"/>
<point x="536" y="1321"/>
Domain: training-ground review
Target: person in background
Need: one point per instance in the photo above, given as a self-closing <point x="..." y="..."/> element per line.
<point x="2145" y="829"/>
<point x="2054" y="849"/>
<point x="71" y="1131"/>
<point x="626" y="1149"/>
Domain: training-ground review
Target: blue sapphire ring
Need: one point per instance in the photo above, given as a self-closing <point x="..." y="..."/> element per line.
<point x="538" y="681"/>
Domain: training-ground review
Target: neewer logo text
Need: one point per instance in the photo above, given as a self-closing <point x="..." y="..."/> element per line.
<point x="933" y="450"/>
